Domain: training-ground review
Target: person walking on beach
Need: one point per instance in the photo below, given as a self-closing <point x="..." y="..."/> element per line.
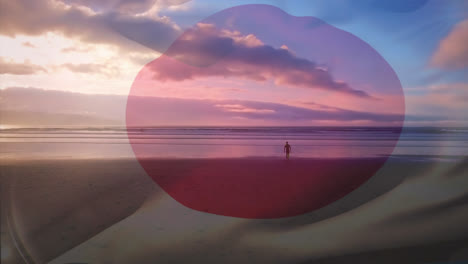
<point x="287" y="149"/>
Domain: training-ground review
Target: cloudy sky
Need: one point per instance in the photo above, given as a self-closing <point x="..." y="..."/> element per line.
<point x="331" y="63"/>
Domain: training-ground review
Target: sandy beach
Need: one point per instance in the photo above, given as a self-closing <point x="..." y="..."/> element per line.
<point x="50" y="207"/>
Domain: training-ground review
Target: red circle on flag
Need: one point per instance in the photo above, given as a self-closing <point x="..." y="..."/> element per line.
<point x="349" y="82"/>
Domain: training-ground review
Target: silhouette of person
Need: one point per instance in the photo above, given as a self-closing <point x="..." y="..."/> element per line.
<point x="287" y="149"/>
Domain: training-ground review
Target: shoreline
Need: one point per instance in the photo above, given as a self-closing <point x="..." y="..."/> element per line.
<point x="400" y="157"/>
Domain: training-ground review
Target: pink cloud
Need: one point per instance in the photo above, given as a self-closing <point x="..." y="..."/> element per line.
<point x="205" y="51"/>
<point x="105" y="27"/>
<point x="92" y="68"/>
<point x="452" y="52"/>
<point x="124" y="6"/>
<point x="238" y="108"/>
<point x="28" y="44"/>
<point x="25" y="68"/>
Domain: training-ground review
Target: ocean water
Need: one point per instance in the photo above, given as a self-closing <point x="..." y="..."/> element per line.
<point x="218" y="142"/>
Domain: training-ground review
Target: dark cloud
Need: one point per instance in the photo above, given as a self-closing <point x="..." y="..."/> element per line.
<point x="26" y="68"/>
<point x="32" y="17"/>
<point x="204" y="51"/>
<point x="156" y="34"/>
